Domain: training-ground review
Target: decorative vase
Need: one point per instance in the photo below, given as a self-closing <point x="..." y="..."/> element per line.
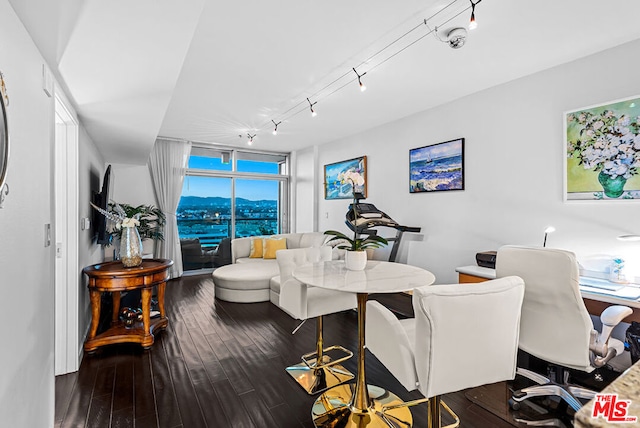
<point x="355" y="260"/>
<point x="130" y="247"/>
<point x="613" y="187"/>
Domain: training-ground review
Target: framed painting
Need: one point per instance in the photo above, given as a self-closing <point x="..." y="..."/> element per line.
<point x="602" y="151"/>
<point x="437" y="167"/>
<point x="334" y="188"/>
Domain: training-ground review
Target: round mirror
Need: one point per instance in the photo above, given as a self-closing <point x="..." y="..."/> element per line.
<point x="4" y="138"/>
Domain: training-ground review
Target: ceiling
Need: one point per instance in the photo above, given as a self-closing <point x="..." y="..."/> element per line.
<point x="212" y="71"/>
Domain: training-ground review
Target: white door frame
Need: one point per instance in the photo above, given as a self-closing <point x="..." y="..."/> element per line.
<point x="67" y="277"/>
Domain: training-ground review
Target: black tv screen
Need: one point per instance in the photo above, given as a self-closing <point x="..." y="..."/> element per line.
<point x="101" y="200"/>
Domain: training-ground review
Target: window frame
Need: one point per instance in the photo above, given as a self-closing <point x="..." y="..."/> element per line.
<point x="284" y="202"/>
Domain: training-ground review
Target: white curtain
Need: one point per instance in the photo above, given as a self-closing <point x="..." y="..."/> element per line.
<point x="167" y="164"/>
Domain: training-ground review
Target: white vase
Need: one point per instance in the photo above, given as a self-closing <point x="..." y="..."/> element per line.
<point x="355" y="260"/>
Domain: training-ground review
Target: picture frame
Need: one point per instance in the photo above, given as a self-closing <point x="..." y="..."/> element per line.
<point x="601" y="150"/>
<point x="437" y="167"/>
<point x="333" y="188"/>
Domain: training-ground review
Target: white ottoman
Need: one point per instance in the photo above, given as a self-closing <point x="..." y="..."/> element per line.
<point x="244" y="282"/>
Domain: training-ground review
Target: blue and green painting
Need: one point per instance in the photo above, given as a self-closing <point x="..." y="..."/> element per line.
<point x="437" y="167"/>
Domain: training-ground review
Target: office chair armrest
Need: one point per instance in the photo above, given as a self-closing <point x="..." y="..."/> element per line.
<point x="613" y="315"/>
<point x="601" y="352"/>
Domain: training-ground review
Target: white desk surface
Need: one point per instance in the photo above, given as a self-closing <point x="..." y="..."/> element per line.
<point x="628" y="295"/>
<point x="377" y="277"/>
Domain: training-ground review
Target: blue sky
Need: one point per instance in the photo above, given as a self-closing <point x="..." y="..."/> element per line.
<point x="214" y="186"/>
<point x="442" y="150"/>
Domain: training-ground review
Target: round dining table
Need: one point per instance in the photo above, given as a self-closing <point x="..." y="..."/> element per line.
<point x="359" y="405"/>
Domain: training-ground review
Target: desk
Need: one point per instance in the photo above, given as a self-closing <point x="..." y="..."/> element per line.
<point x="360" y="405"/>
<point x="115" y="278"/>
<point x="596" y="302"/>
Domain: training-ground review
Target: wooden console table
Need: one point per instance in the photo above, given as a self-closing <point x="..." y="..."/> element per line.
<point x="115" y="278"/>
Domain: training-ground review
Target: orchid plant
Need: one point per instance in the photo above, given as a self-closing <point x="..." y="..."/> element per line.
<point x="119" y="216"/>
<point x="355" y="244"/>
<point x="148" y="219"/>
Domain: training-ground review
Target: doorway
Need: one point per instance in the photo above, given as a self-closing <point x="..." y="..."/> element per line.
<point x="66" y="356"/>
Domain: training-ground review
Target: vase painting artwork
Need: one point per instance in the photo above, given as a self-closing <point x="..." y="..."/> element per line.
<point x="335" y="187"/>
<point x="603" y="151"/>
<point x="437" y="167"/>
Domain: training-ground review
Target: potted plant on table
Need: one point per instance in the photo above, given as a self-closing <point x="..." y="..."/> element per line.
<point x="148" y="221"/>
<point x="356" y="256"/>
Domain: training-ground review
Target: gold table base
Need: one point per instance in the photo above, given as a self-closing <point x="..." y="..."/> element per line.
<point x="315" y="380"/>
<point x="334" y="409"/>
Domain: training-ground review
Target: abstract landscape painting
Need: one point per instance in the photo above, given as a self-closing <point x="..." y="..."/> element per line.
<point x="334" y="188"/>
<point x="437" y="167"/>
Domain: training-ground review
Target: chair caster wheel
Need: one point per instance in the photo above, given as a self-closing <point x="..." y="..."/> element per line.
<point x="514" y="405"/>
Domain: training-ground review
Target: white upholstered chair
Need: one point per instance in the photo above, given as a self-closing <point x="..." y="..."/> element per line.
<point x="453" y="325"/>
<point x="317" y="372"/>
<point x="556" y="326"/>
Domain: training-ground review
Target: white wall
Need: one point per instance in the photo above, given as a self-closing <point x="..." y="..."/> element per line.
<point x="513" y="169"/>
<point x="26" y="266"/>
<point x="305" y="191"/>
<point x="132" y="185"/>
<point x="90" y="174"/>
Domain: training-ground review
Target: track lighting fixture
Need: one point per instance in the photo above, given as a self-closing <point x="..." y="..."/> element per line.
<point x="275" y="130"/>
<point x="250" y="142"/>
<point x="362" y="87"/>
<point x="455" y="38"/>
<point x="472" y="23"/>
<point x="313" y="112"/>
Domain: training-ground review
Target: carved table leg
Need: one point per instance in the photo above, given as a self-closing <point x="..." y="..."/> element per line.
<point x="161" y="288"/>
<point x="95" y="312"/>
<point x="116" y="306"/>
<point x="146" y="319"/>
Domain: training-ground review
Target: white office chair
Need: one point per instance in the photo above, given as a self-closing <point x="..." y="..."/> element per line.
<point x="318" y="371"/>
<point x="462" y="336"/>
<point x="556" y="326"/>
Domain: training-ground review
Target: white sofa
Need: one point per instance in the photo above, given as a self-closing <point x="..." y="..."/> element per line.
<point x="249" y="280"/>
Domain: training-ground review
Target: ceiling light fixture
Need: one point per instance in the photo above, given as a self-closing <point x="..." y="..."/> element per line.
<point x="250" y="142"/>
<point x="362" y="87"/>
<point x="472" y="22"/>
<point x="275" y="130"/>
<point x="313" y="112"/>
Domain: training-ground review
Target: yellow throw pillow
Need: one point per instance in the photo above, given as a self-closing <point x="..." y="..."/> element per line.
<point x="272" y="245"/>
<point x="256" y="248"/>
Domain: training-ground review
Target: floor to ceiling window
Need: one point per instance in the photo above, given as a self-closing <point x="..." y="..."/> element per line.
<point x="230" y="193"/>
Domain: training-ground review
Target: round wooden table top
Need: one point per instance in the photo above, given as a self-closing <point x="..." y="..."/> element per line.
<point x="115" y="268"/>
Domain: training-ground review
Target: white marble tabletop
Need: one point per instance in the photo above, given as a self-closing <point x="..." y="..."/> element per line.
<point x="377" y="277"/>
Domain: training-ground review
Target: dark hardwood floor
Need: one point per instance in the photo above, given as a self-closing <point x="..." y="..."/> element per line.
<point x="219" y="364"/>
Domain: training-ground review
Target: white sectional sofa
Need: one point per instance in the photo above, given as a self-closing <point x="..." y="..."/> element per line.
<point x="249" y="280"/>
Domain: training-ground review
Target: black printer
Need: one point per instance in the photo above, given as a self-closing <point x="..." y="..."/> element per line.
<point x="486" y="259"/>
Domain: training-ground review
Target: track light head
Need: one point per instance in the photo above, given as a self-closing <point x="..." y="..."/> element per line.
<point x="275" y="130"/>
<point x="362" y="86"/>
<point x="313" y="112"/>
<point x="472" y="22"/>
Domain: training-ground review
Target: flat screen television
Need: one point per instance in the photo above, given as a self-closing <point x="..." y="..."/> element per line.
<point x="101" y="199"/>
